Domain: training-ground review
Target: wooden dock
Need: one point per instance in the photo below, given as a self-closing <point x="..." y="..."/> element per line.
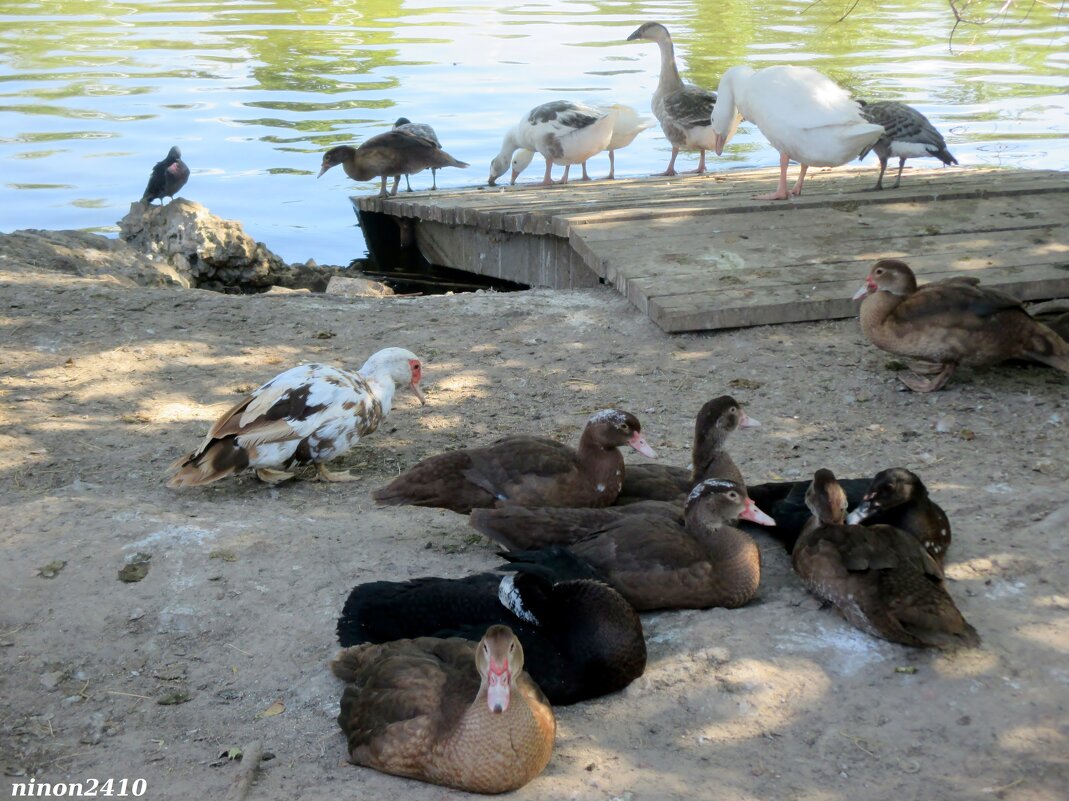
<point x="699" y="253"/>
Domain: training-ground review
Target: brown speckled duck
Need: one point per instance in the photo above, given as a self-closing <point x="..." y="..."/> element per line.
<point x="524" y="470"/>
<point x="947" y="323"/>
<point x="397" y="152"/>
<point x="880" y="578"/>
<point x="894" y="497"/>
<point x="447" y="711"/>
<point x="652" y="560"/>
<point x="581" y="639"/>
<point x="715" y="421"/>
<point x="907" y="134"/>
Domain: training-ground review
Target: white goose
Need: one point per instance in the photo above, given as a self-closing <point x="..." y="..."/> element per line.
<point x="562" y="131"/>
<point x="683" y="109"/>
<point x="627" y="126"/>
<point x="804" y="114"/>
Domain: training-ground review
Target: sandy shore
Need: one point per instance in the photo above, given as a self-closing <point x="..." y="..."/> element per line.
<point x="103" y="385"/>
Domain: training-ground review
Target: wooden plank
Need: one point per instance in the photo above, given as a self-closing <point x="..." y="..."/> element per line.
<point x="736" y="308"/>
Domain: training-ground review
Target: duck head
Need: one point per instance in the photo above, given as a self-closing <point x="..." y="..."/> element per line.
<point x="334" y="157"/>
<point x="611" y="428"/>
<point x="651" y="32"/>
<point x="520" y="162"/>
<point x="889" y="488"/>
<point x="826" y="499"/>
<point x="403" y="366"/>
<point x="715" y="501"/>
<point x="499" y="660"/>
<point x="888" y="275"/>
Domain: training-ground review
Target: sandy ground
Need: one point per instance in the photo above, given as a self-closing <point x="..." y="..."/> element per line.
<point x="102" y="386"/>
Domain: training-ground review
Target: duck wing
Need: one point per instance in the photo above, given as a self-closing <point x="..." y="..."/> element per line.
<point x="691" y="106"/>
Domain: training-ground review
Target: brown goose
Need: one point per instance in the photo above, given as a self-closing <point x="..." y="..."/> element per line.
<point x="907" y="134"/>
<point x="394" y="153"/>
<point x="880" y="578"/>
<point x="446" y="711"/>
<point x="715" y="421"/>
<point x="947" y="323"/>
<point x="683" y="109"/>
<point x="524" y="470"/>
<point x="652" y="560"/>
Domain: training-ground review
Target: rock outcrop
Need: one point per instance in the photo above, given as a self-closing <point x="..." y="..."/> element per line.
<point x="88" y="255"/>
<point x="210" y="251"/>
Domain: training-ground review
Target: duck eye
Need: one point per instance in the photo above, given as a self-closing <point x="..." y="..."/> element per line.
<point x="733" y="495"/>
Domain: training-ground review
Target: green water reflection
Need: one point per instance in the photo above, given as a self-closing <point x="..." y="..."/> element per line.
<point x="254" y="90"/>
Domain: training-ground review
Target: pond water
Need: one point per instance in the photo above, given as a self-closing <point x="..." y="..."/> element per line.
<point x="94" y="92"/>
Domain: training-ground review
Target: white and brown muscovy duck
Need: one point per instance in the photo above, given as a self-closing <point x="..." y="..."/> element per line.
<point x="168" y="176"/>
<point x="309" y="414"/>
<point x="805" y="115"/>
<point x="427" y="132"/>
<point x="564" y="132"/>
<point x="909" y="134"/>
<point x="683" y="109"/>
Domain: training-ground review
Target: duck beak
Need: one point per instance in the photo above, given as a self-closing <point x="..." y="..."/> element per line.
<point x="418" y="393"/>
<point x="755" y="515"/>
<point x="498" y="679"/>
<point x="865" y="510"/>
<point x="638" y="442"/>
<point x="718" y="144"/>
<point x="323" y="169"/>
<point x="749" y="422"/>
<point x="866" y="289"/>
<point x="515" y="175"/>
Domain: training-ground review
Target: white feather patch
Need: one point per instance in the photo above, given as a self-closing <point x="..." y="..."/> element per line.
<point x="509" y="596"/>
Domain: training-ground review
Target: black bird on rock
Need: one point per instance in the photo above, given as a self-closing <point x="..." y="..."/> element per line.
<point x="168" y="176"/>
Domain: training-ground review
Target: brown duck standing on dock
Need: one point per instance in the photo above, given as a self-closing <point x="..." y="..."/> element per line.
<point x="880" y="578"/>
<point x="168" y="176"/>
<point x="715" y="421"/>
<point x="446" y="711"/>
<point x="949" y="323"/>
<point x="397" y="152"/>
<point x="907" y="134"/>
<point x="524" y="470"/>
<point x="652" y="560"/>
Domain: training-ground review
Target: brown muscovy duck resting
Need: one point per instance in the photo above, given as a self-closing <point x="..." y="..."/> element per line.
<point x="447" y="711"/>
<point x="401" y="151"/>
<point x="949" y="323"/>
<point x="168" y="176"/>
<point x="880" y="578"/>
<point x="894" y="497"/>
<point x="715" y="421"/>
<point x="654" y="560"/>
<point x="524" y="470"/>
<point x="580" y="638"/>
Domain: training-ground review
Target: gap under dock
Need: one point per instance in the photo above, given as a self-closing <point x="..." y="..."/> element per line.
<point x="699" y="253"/>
